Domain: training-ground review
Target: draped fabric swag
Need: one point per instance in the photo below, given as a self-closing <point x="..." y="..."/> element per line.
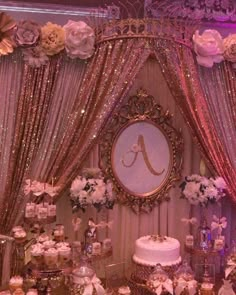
<point x="66" y="140"/>
<point x="128" y="226"/>
<point x="219" y="85"/>
<point x="52" y="116"/>
<point x="30" y="116"/>
<point x="181" y="73"/>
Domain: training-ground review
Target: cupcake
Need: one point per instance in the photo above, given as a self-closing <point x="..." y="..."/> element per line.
<point x="124" y="290"/>
<point x="62" y="244"/>
<point x="37" y="255"/>
<point x="43" y="238"/>
<point x="49" y="244"/>
<point x="37" y="245"/>
<point x="32" y="292"/>
<point x="59" y="235"/>
<point x="17" y="228"/>
<point x="51" y="257"/>
<point x="18" y="291"/>
<point x="64" y="254"/>
<point x="15" y="283"/>
<point x="20" y="236"/>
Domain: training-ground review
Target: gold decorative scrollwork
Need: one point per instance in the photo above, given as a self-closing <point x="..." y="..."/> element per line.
<point x="141" y="109"/>
<point x="163" y="28"/>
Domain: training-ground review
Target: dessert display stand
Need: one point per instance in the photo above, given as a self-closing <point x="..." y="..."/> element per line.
<point x="140" y="275"/>
<point x="47" y="278"/>
<point x="205" y="255"/>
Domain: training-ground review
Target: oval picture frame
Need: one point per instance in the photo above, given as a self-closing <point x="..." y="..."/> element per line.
<point x="141" y="152"/>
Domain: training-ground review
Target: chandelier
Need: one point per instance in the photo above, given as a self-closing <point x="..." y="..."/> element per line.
<point x="218" y="10"/>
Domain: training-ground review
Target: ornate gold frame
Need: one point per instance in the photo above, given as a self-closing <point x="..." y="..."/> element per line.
<point x="141" y="107"/>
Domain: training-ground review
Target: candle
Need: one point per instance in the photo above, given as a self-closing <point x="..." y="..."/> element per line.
<point x="96" y="248"/>
<point x="218" y="244"/>
<point x="42" y="213"/>
<point x="106" y="245"/>
<point x="30" y="210"/>
<point x="52" y="210"/>
<point x="189" y="241"/>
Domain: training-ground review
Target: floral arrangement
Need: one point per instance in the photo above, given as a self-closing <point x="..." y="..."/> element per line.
<point x="200" y="190"/>
<point x="38" y="43"/>
<point x="40" y="188"/>
<point x="211" y="48"/>
<point x="91" y="189"/>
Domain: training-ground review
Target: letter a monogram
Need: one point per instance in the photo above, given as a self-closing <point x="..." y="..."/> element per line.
<point x="141" y="148"/>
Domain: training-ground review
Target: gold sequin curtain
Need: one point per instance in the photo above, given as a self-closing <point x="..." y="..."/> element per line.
<point x="219" y="85"/>
<point x="49" y="144"/>
<point x="30" y="113"/>
<point x="180" y="71"/>
<point x="108" y="78"/>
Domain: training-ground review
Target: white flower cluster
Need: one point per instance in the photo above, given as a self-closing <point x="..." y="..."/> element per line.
<point x="199" y="190"/>
<point x="91" y="191"/>
<point x="210" y="48"/>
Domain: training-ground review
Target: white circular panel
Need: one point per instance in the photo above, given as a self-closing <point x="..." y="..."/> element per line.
<point x="141" y="158"/>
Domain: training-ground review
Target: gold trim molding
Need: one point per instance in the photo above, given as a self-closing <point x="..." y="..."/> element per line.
<point x="165" y="28"/>
<point x="141" y="108"/>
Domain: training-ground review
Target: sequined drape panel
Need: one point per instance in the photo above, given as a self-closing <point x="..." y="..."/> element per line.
<point x="52" y="92"/>
<point x="10" y="83"/>
<point x="62" y="104"/>
<point x="107" y="80"/>
<point x="2" y="251"/>
<point x="31" y="112"/>
<point x="219" y="85"/>
<point x="181" y="73"/>
<point x="70" y="129"/>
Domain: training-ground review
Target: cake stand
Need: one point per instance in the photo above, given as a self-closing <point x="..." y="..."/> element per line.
<point x="205" y="254"/>
<point x="138" y="288"/>
<point x="101" y="256"/>
<point x="52" y="277"/>
<point x="46" y="278"/>
<point x="142" y="272"/>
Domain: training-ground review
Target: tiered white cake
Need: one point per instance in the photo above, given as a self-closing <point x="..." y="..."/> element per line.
<point x="151" y="250"/>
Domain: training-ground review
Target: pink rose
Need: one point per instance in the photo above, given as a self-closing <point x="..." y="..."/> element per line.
<point x="35" y="57"/>
<point x="208" y="47"/>
<point x="80" y="39"/>
<point x="27" y="33"/>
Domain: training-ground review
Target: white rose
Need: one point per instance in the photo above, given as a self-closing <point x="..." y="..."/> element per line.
<point x="79" y="40"/>
<point x="191" y="188"/>
<point x="208" y="47"/>
<point x="91" y="181"/>
<point x="99" y="182"/>
<point x="219" y="183"/>
<point x="98" y="196"/>
<point x="195" y="177"/>
<point x="77" y="185"/>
